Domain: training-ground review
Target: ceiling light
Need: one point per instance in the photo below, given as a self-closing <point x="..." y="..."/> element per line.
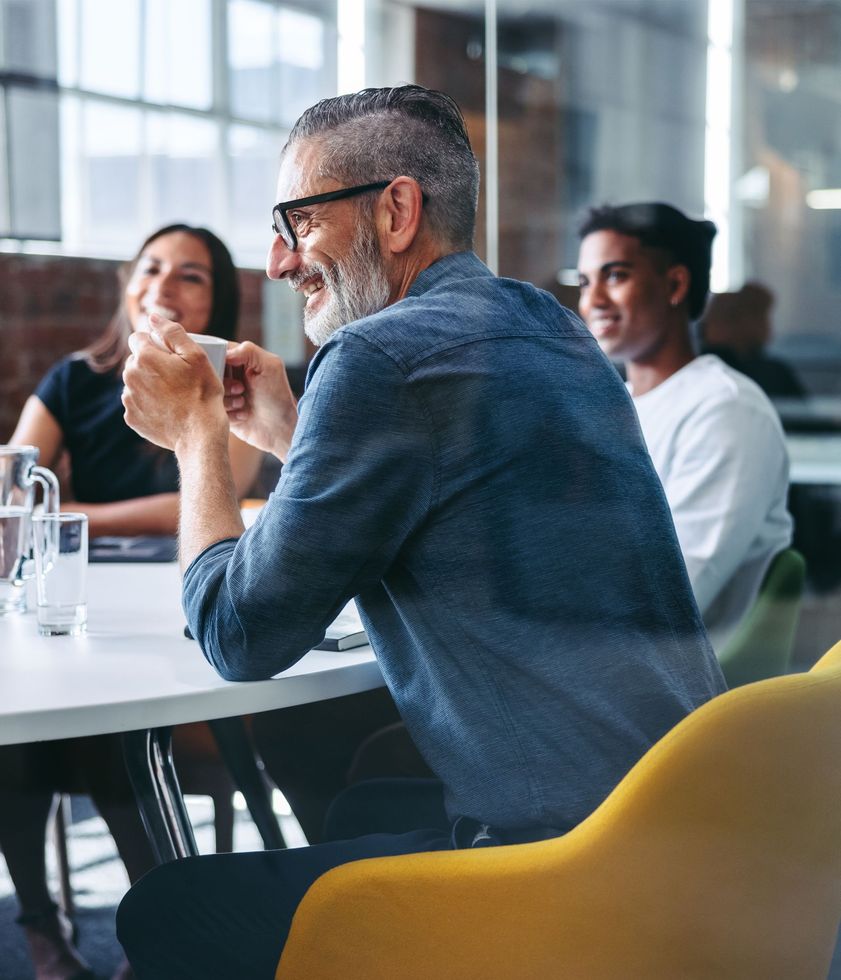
<point x="826" y="199"/>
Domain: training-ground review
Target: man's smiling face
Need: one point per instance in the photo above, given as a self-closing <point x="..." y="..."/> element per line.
<point x="337" y="264"/>
<point x="625" y="294"/>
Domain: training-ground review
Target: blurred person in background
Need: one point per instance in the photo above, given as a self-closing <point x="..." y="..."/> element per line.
<point x="126" y="486"/>
<point x="737" y="328"/>
<point x="715" y="439"/>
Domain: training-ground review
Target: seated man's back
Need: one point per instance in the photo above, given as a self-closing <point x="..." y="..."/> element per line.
<point x="465" y="462"/>
<point x="513" y="556"/>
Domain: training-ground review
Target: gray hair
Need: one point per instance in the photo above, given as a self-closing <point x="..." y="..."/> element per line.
<point x="383" y="133"/>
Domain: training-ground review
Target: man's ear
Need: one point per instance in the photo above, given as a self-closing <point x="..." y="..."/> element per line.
<point x="679" y="280"/>
<point x="399" y="214"/>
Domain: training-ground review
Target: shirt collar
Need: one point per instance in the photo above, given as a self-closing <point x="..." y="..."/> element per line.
<point x="456" y="265"/>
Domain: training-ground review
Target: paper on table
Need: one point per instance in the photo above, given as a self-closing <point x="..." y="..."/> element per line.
<point x="250" y="510"/>
<point x="345" y="632"/>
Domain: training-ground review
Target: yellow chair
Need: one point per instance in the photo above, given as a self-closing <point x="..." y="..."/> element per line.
<point x="718" y="855"/>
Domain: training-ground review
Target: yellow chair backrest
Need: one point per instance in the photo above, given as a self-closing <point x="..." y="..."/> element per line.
<point x="718" y="855"/>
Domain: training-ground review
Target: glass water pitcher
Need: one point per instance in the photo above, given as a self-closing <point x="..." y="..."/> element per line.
<point x="19" y="475"/>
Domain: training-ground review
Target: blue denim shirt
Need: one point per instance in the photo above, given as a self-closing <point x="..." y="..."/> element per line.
<point x="469" y="465"/>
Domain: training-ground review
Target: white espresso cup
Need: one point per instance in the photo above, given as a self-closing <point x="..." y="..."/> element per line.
<point x="215" y="348"/>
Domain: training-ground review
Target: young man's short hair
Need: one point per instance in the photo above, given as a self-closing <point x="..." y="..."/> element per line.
<point x="660" y="226"/>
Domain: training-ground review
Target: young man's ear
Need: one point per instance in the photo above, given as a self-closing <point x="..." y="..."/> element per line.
<point x="679" y="280"/>
<point x="400" y="214"/>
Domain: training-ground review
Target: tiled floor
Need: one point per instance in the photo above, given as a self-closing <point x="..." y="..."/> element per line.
<point x="99" y="881"/>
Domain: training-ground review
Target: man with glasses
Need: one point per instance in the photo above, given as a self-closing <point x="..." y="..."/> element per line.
<point x="449" y="465"/>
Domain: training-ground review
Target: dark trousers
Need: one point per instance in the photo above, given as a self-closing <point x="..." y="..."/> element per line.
<point x="227" y="916"/>
<point x="387" y="806"/>
<point x="314" y="751"/>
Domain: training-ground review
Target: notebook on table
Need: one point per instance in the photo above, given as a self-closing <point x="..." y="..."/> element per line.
<point x="142" y="548"/>
<point x="345" y="632"/>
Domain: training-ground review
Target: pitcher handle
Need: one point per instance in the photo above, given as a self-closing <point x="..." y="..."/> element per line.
<point x="52" y="505"/>
<point x="49" y="485"/>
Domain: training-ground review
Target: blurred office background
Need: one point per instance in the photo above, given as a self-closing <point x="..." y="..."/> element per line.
<point x="117" y="116"/>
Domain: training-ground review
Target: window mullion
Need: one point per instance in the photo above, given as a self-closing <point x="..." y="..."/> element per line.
<point x="220" y="102"/>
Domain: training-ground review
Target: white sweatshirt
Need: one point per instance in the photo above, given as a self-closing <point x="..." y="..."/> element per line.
<point x="718" y="447"/>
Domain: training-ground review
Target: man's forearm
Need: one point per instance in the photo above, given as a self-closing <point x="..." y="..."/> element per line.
<point x="209" y="507"/>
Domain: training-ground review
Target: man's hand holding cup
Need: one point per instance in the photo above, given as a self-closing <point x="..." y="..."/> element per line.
<point x="172" y="391"/>
<point x="261" y="407"/>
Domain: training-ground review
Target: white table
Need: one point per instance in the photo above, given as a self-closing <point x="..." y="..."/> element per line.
<point x="135" y="672"/>
<point x="815" y="459"/>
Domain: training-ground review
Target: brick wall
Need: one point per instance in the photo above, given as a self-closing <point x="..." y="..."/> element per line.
<point x="530" y="135"/>
<point x="51" y="306"/>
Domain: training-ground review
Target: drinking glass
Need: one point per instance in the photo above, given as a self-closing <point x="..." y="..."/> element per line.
<point x="61" y="566"/>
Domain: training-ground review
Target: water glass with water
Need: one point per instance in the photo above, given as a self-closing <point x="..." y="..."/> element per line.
<point x="61" y="567"/>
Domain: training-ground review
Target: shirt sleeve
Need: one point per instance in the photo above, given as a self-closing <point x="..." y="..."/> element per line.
<point x="727" y="468"/>
<point x="52" y="390"/>
<point x="358" y="481"/>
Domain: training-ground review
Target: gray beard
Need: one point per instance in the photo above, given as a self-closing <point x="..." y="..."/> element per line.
<point x="356" y="287"/>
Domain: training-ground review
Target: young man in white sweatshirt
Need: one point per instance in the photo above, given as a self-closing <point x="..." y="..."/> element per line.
<point x="715" y="439"/>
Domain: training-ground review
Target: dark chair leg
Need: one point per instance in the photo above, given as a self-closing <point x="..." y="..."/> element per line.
<point x="223" y="822"/>
<point x="246" y="767"/>
<point x="60" y="823"/>
<point x="148" y="756"/>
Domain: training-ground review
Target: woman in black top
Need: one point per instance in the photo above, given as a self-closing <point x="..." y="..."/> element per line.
<point x="126" y="486"/>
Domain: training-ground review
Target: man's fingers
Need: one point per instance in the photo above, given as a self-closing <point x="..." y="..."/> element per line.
<point x="233" y="386"/>
<point x="254" y="359"/>
<point x="143" y="345"/>
<point x="171" y="335"/>
<point x="174" y="339"/>
<point x="132" y="416"/>
<point x="144" y="352"/>
<point x="139" y="341"/>
<point x="243" y="353"/>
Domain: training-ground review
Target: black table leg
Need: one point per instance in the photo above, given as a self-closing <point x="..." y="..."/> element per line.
<point x="148" y="757"/>
<point x="242" y="762"/>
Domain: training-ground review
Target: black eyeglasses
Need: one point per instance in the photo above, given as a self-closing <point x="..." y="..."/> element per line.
<point x="281" y="225"/>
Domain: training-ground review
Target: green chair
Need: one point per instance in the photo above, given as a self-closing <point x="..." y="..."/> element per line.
<point x="762" y="645"/>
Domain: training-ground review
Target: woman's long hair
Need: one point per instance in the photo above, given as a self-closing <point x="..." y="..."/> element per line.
<point x="110" y="351"/>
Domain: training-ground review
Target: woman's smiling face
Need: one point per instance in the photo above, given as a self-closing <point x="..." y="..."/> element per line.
<point x="174" y="277"/>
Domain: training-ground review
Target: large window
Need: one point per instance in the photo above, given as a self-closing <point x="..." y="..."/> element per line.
<point x="117" y="117"/>
<point x="790" y="185"/>
<point x="29" y="127"/>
